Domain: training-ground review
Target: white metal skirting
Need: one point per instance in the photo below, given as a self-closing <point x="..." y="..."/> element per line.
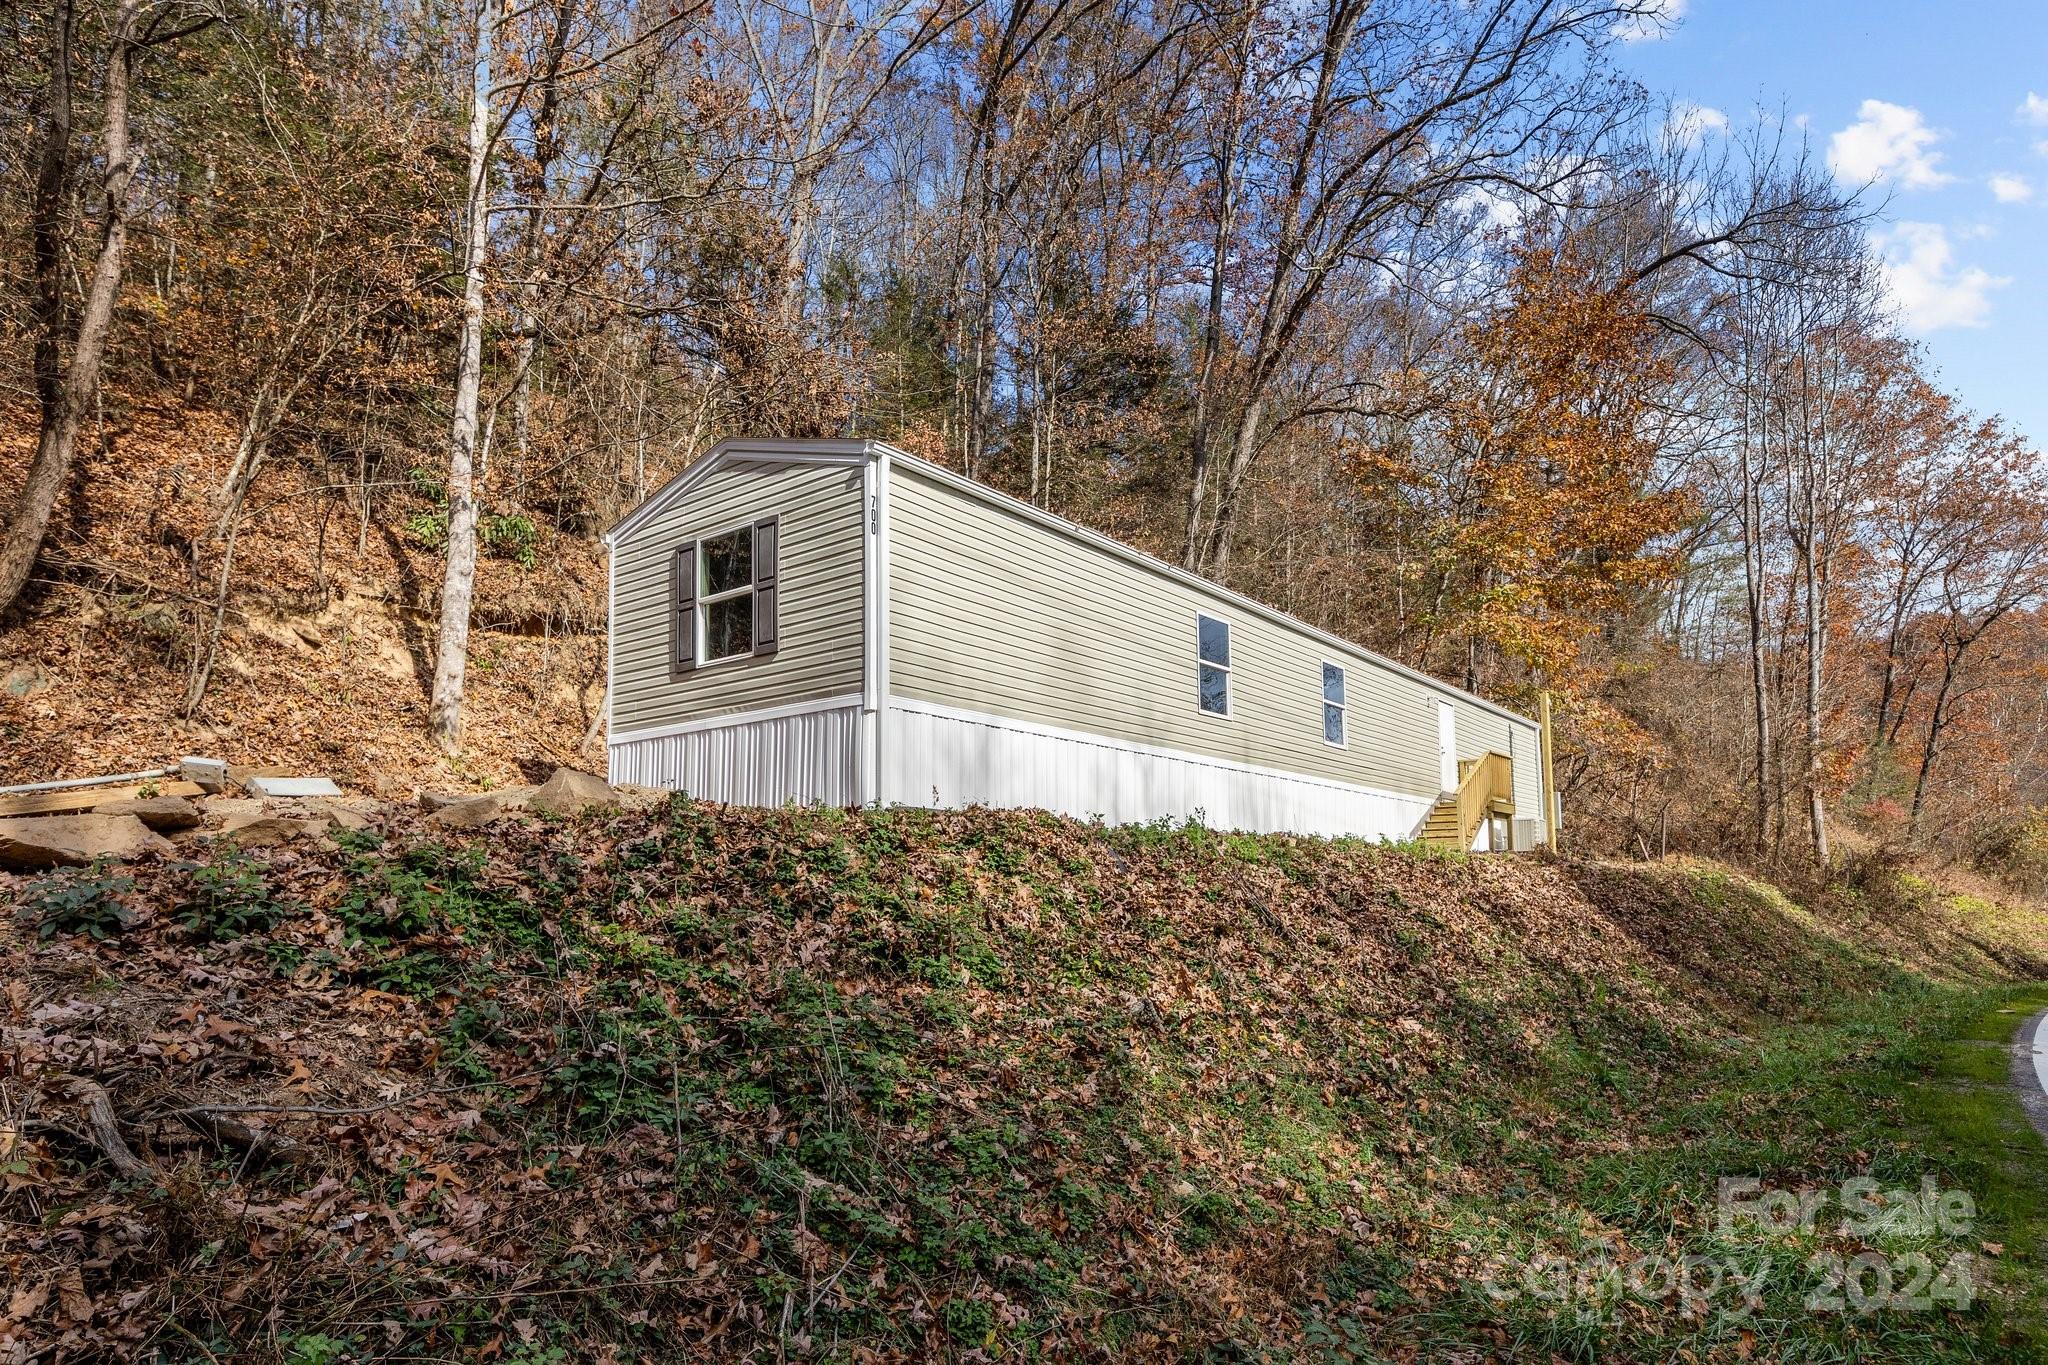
<point x="940" y="756"/>
<point x="808" y="757"/>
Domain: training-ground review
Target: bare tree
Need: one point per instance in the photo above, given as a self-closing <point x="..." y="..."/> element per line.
<point x="444" y="716"/>
<point x="820" y="67"/>
<point x="1371" y="117"/>
<point x="67" y="388"/>
<point x="2006" y="573"/>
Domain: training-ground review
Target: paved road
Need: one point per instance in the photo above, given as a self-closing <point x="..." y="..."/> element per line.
<point x="2030" y="1070"/>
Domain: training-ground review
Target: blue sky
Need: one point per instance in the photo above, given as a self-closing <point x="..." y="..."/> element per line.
<point x="1946" y="107"/>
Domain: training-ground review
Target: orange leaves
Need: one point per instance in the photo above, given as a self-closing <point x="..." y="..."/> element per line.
<point x="1535" y="474"/>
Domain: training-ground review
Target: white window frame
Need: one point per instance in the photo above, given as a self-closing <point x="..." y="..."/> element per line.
<point x="1230" y="649"/>
<point x="1343" y="740"/>
<point x="706" y="601"/>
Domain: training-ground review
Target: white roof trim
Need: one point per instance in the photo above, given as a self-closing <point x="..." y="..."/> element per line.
<point x="731" y="451"/>
<point x="1016" y="507"/>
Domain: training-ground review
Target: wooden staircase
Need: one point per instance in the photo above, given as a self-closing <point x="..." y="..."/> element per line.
<point x="1486" y="787"/>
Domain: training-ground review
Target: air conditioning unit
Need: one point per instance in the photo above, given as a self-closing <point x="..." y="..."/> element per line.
<point x="1528" y="834"/>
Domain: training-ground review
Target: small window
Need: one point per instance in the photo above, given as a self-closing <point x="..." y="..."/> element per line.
<point x="725" y="593"/>
<point x="1333" y="705"/>
<point x="1212" y="641"/>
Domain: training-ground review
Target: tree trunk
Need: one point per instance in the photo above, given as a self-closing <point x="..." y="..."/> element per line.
<point x="1244" y="447"/>
<point x="1936" y="723"/>
<point x="1753" y="593"/>
<point x="66" y="393"/>
<point x="1206" y="379"/>
<point x="1816" y="805"/>
<point x="444" y="714"/>
<point x="536" y="191"/>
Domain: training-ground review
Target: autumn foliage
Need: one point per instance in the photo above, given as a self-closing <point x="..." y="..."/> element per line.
<point x="1514" y="383"/>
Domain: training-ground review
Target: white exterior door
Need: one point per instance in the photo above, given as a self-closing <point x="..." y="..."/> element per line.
<point x="1447" y="745"/>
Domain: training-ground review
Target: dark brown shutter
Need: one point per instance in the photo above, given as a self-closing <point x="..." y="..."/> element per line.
<point x="682" y="614"/>
<point x="766" y="593"/>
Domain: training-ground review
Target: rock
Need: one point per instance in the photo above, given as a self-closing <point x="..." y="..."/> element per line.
<point x="45" y="841"/>
<point x="268" y="831"/>
<point x="570" y="791"/>
<point x="349" y="812"/>
<point x="222" y="809"/>
<point x="477" y="811"/>
<point x="161" y="813"/>
<point x="433" y="801"/>
<point x="635" y="796"/>
<point x="23" y="680"/>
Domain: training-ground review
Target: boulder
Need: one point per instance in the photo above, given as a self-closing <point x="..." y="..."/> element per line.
<point x="570" y="791"/>
<point x="36" y="843"/>
<point x="163" y="814"/>
<point x="477" y="811"/>
<point x="433" y="801"/>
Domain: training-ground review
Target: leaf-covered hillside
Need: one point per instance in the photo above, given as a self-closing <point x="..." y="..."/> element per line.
<point x="699" y="1083"/>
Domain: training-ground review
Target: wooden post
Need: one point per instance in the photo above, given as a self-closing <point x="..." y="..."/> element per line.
<point x="1549" y="777"/>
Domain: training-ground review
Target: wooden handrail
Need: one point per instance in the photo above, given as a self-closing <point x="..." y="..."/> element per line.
<point x="1481" y="782"/>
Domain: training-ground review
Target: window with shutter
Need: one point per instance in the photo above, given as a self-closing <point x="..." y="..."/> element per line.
<point x="726" y="597"/>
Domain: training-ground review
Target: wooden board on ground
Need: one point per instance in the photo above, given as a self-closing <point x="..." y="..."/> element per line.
<point x="72" y="800"/>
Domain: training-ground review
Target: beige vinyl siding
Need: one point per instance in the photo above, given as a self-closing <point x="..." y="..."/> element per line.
<point x="820" y="507"/>
<point x="991" y="613"/>
<point x="1528" y="770"/>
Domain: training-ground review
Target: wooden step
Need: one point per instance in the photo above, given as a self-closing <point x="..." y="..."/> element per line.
<point x="1441" y="827"/>
<point x="71" y="800"/>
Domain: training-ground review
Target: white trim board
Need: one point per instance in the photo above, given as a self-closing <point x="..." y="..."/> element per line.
<point x="873" y="607"/>
<point x="876" y="643"/>
<point x="726" y="719"/>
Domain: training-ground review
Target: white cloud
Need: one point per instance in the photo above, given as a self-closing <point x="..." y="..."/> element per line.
<point x="1654" y="20"/>
<point x="2033" y="109"/>
<point x="1490" y="211"/>
<point x="1931" y="290"/>
<point x="1690" y="124"/>
<point x="1888" y="142"/>
<point x="2011" y="189"/>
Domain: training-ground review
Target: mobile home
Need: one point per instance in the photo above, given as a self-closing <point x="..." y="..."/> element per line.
<point x="840" y="622"/>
